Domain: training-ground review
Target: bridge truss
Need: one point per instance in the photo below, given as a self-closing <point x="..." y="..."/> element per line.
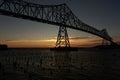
<point x="59" y="15"/>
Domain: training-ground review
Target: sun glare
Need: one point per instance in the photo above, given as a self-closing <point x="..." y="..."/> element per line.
<point x="47" y="43"/>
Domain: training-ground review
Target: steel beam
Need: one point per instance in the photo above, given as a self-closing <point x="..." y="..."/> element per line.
<point x="59" y="15"/>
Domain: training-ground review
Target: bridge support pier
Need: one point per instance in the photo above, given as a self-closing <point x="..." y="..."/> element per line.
<point x="62" y="39"/>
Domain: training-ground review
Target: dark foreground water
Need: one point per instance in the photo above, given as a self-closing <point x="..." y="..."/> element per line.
<point x="43" y="64"/>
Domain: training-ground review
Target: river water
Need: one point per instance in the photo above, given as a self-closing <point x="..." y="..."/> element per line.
<point x="43" y="64"/>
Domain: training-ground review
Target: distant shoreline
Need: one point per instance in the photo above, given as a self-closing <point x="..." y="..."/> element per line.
<point x="4" y="47"/>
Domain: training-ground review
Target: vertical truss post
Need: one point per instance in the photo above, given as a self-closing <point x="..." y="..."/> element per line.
<point x="51" y="14"/>
<point x="62" y="39"/>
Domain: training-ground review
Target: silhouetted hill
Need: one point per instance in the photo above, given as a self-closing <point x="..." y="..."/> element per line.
<point x="3" y="47"/>
<point x="107" y="46"/>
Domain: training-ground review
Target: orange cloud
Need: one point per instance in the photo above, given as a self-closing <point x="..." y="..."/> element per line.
<point x="85" y="41"/>
<point x="116" y="39"/>
<point x="74" y="41"/>
<point x="29" y="43"/>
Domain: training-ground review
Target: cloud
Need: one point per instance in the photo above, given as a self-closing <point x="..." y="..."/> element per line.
<point x="75" y="38"/>
<point x="50" y="42"/>
<point x="30" y="43"/>
<point x="14" y="41"/>
<point x="85" y="41"/>
<point x="27" y="40"/>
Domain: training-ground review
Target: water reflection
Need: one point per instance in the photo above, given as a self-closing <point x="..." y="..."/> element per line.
<point x="36" y="64"/>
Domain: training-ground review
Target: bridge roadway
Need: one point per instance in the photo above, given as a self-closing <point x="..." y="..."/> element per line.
<point x="59" y="15"/>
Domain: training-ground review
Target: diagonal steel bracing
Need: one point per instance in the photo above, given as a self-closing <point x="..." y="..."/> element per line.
<point x="51" y="14"/>
<point x="62" y="39"/>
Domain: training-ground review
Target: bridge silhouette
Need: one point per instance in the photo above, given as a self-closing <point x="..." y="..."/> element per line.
<point x="60" y="15"/>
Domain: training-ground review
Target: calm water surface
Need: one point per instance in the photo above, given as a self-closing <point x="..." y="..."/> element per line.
<point x="43" y="64"/>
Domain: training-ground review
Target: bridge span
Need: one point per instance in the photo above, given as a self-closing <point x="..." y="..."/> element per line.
<point x="60" y="15"/>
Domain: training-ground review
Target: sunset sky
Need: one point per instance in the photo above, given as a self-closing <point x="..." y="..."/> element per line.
<point x="98" y="13"/>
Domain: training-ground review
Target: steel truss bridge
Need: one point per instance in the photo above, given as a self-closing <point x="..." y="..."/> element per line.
<point x="60" y="15"/>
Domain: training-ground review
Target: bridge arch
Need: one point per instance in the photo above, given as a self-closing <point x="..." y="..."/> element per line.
<point x="60" y="15"/>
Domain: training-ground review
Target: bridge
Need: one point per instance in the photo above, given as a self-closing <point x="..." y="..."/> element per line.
<point x="60" y="15"/>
